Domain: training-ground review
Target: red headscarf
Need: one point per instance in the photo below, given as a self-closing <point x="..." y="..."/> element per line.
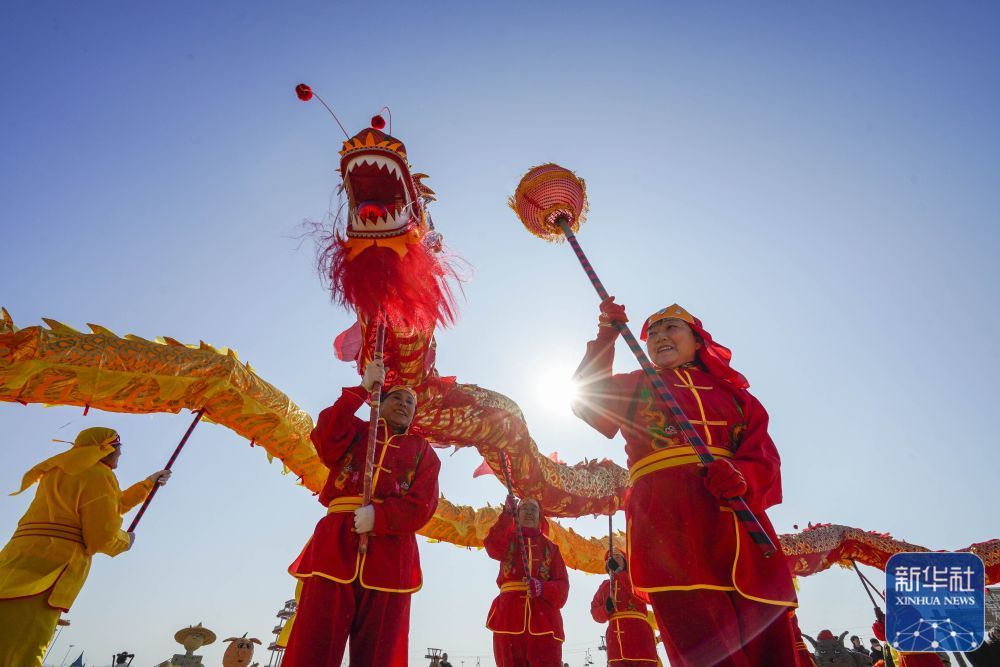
<point x="714" y="357"/>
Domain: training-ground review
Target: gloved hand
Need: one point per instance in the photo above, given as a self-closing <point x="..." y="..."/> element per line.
<point x="879" y="615"/>
<point x="609" y="605"/>
<point x="364" y="519"/>
<point x="615" y="564"/>
<point x="724" y="480"/>
<point x="612" y="312"/>
<point x="535" y="587"/>
<point x="510" y="506"/>
<point x="374" y="372"/>
<point x="160" y="477"/>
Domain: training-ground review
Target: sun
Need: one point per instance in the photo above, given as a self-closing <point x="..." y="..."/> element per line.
<point x="555" y="387"/>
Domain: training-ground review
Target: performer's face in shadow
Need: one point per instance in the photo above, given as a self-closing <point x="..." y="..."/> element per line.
<point x="671" y="343"/>
<point x="620" y="564"/>
<point x="111" y="460"/>
<point x="398" y="408"/>
<point x="527" y="513"/>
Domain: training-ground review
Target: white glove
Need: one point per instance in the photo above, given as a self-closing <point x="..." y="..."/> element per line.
<point x="374" y="372"/>
<point x="364" y="519"/>
<point x="160" y="477"/>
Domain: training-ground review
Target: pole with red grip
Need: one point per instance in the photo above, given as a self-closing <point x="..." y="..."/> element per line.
<point x="375" y="399"/>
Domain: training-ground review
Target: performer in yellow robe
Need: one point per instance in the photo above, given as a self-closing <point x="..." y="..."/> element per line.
<point x="77" y="512"/>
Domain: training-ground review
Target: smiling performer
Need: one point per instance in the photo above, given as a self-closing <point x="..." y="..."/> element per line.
<point x="717" y="599"/>
<point x="525" y="618"/>
<point x="346" y="595"/>
<point x="77" y="512"/>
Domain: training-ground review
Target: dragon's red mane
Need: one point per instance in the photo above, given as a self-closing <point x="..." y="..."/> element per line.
<point x="412" y="292"/>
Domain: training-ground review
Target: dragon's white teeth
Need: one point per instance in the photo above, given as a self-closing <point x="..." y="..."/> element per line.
<point x="376" y="161"/>
<point x="379" y="224"/>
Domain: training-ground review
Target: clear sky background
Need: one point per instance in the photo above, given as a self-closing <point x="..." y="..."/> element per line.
<point x="820" y="184"/>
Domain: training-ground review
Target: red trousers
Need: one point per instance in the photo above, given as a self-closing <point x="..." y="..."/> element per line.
<point x="377" y="624"/>
<point x="526" y="650"/>
<point x="707" y="628"/>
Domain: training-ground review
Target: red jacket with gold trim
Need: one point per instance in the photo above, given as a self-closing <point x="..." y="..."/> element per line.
<point x="680" y="537"/>
<point x="404" y="492"/>
<point x="629" y="635"/>
<point x="514" y="612"/>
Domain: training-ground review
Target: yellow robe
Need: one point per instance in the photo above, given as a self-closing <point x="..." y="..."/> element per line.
<point x="71" y="518"/>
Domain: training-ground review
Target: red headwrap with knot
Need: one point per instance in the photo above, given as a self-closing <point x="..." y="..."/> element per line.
<point x="714" y="357"/>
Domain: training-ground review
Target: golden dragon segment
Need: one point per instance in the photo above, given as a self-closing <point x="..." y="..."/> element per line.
<point x="59" y="365"/>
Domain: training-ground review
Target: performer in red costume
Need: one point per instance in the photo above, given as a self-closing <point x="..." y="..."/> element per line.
<point x="717" y="599"/>
<point x="629" y="638"/>
<point x="805" y="657"/>
<point x="525" y="618"/>
<point x="347" y="595"/>
<point x="904" y="659"/>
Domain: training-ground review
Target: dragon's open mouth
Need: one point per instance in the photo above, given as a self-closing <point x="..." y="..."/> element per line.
<point x="379" y="201"/>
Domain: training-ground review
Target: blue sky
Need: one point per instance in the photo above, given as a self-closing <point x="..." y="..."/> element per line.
<point x="818" y="183"/>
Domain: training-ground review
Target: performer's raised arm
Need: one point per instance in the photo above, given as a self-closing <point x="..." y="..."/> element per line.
<point x="137" y="493"/>
<point x="498" y="539"/>
<point x="598" y="399"/>
<point x="337" y="427"/>
<point x="134" y="495"/>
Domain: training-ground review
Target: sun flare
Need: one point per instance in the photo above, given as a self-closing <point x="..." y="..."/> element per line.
<point x="555" y="388"/>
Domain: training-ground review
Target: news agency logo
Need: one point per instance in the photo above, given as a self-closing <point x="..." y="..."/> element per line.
<point x="935" y="602"/>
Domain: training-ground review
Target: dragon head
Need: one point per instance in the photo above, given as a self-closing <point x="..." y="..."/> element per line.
<point x="387" y="264"/>
<point x="387" y="203"/>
